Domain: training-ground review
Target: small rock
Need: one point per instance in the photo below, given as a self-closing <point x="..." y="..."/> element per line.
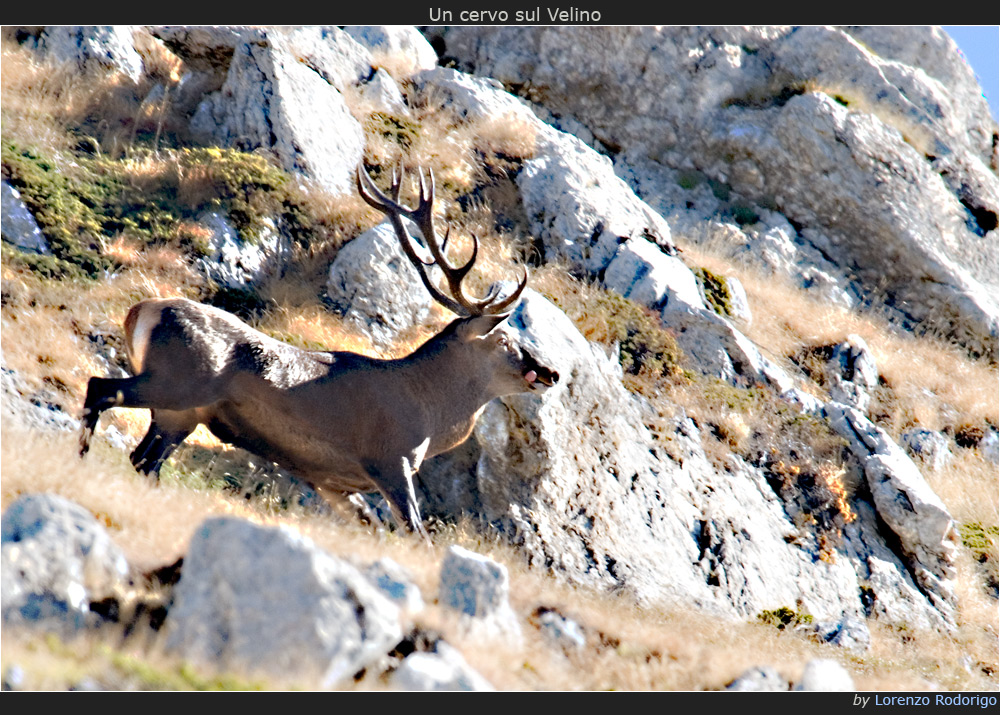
<point x="396" y="582"/>
<point x="929" y="446"/>
<point x="13" y="677"/>
<point x="443" y="669"/>
<point x="989" y="447"/>
<point x="759" y="679"/>
<point x="478" y="587"/>
<point x="18" y="225"/>
<point x="822" y="674"/>
<point x="561" y="630"/>
<point x="852" y="373"/>
<point x="850" y="632"/>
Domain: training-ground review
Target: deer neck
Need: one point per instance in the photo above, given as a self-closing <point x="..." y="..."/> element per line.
<point x="452" y="385"/>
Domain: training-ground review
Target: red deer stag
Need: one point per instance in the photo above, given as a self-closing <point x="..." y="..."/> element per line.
<point x="341" y="421"/>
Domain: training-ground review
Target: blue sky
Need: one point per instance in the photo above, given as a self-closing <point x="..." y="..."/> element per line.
<point x="981" y="46"/>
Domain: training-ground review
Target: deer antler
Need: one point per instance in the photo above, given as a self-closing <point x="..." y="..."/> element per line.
<point x="423" y="216"/>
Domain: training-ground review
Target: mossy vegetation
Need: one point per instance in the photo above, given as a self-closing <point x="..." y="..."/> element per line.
<point x="784" y="617"/>
<point x="645" y="347"/>
<point x="82" y="203"/>
<point x="716" y="291"/>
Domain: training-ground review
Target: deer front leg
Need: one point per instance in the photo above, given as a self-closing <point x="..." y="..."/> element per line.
<point x="395" y="482"/>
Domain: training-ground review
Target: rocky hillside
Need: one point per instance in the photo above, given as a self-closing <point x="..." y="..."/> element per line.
<point x="764" y="260"/>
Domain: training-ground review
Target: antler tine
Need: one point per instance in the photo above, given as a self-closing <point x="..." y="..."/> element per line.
<point x="512" y="298"/>
<point x="423" y="215"/>
<point x="394" y="210"/>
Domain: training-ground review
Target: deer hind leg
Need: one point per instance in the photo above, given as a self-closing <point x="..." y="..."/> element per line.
<point x="102" y="394"/>
<point x="167" y="429"/>
<point x="141" y="391"/>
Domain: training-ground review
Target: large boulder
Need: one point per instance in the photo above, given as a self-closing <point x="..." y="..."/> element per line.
<point x="592" y="485"/>
<point x="267" y="600"/>
<point x="56" y="558"/>
<point x="373" y="285"/>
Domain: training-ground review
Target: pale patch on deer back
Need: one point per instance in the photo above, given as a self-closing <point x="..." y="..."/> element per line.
<point x="139" y="324"/>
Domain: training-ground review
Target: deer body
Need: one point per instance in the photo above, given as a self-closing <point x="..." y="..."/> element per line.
<point x="343" y="422"/>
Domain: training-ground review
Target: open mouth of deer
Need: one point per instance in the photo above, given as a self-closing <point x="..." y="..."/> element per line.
<point x="537" y="375"/>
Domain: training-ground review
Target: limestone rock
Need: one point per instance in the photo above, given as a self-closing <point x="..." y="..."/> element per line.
<point x="822" y="674"/>
<point x="807" y="122"/>
<point x="929" y="446"/>
<point x="440" y="670"/>
<point x="273" y="98"/>
<point x="851" y="373"/>
<point x="108" y="46"/>
<point x="19" y="226"/>
<point x="906" y="503"/>
<point x="759" y="679"/>
<point x="237" y="263"/>
<point x="396" y="583"/>
<point x="56" y="559"/>
<point x="400" y="46"/>
<point x="261" y="599"/>
<point x="478" y="588"/>
<point x="383" y="93"/>
<point x="579" y="208"/>
<point x="373" y="284"/>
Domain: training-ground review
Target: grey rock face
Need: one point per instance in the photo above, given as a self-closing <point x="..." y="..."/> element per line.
<point x="374" y="285"/>
<point x="472" y="97"/>
<point x="808" y="122"/>
<point x="274" y="98"/>
<point x="267" y="600"/>
<point x="584" y="488"/>
<point x="579" y="208"/>
<point x="18" y="225"/>
<point x="108" y="46"/>
<point x="206" y="48"/>
<point x="403" y="45"/>
<point x="584" y="485"/>
<point x="56" y="558"/>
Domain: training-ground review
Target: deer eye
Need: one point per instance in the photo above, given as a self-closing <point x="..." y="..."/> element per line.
<point x="503" y="341"/>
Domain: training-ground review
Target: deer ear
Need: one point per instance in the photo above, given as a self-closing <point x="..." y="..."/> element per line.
<point x="480" y="325"/>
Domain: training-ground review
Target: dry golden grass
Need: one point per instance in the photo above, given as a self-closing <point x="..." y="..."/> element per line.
<point x="930" y="380"/>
